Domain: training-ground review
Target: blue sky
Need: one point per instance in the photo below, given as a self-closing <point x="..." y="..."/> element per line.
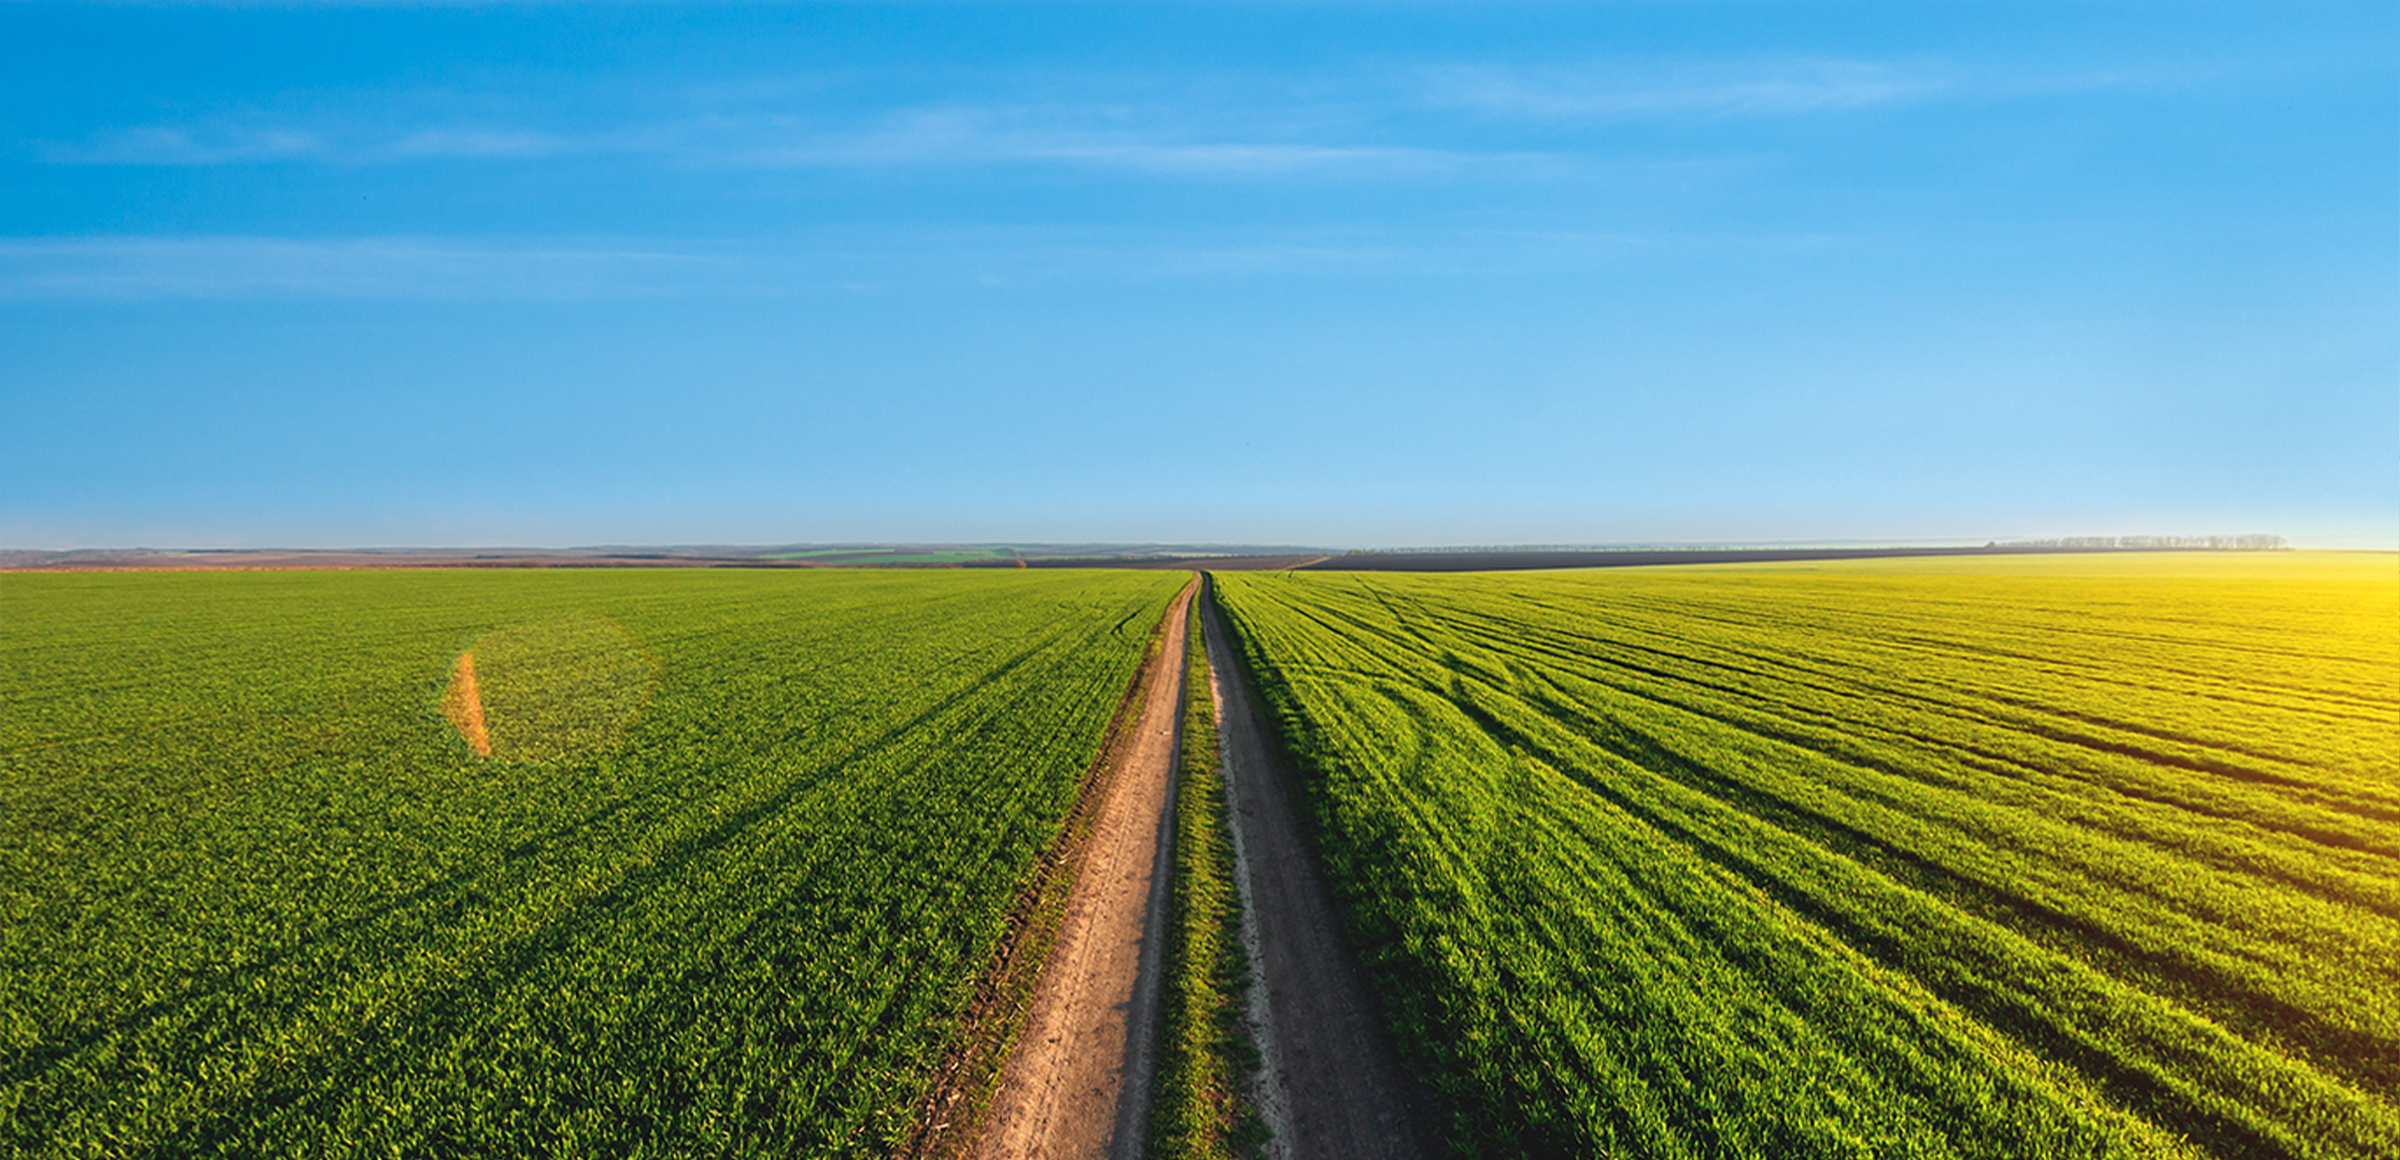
<point x="1346" y="274"/>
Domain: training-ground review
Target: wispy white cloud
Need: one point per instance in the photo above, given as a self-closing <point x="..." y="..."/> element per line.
<point x="959" y="136"/>
<point x="479" y="142"/>
<point x="837" y="262"/>
<point x="1091" y="138"/>
<point x="163" y="145"/>
<point x="1624" y="90"/>
<point x="135" y="268"/>
<point x="1629" y="90"/>
<point x="1369" y="127"/>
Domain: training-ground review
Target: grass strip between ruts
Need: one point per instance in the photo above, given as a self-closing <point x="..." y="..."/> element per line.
<point x="1199" y="1109"/>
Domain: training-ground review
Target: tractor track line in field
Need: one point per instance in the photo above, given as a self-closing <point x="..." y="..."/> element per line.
<point x="1077" y="1083"/>
<point x="1329" y="1084"/>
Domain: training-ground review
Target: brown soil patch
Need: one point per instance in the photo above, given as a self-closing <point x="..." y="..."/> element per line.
<point x="464" y="705"/>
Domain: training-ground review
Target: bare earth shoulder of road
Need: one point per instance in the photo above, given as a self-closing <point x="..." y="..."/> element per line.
<point x="1330" y="1086"/>
<point x="1078" y="1081"/>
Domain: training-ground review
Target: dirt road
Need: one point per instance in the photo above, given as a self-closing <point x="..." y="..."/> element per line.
<point x="1330" y="1087"/>
<point x="1078" y="1083"/>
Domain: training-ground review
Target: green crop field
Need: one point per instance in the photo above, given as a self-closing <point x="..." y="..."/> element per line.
<point x="742" y="846"/>
<point x="2032" y="856"/>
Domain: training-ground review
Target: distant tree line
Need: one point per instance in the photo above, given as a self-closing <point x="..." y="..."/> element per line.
<point x="2249" y="543"/>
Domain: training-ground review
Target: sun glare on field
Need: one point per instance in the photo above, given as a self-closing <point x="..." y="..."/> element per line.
<point x="549" y="690"/>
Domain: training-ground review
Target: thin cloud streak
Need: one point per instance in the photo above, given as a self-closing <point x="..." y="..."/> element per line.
<point x="1619" y="90"/>
<point x="1203" y="137"/>
<point x="987" y="137"/>
<point x="147" y="268"/>
<point x="167" y="146"/>
<point x="163" y="146"/>
<point x="1604" y="91"/>
<point x="1351" y="138"/>
<point x="916" y="140"/>
<point x="136" y="269"/>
